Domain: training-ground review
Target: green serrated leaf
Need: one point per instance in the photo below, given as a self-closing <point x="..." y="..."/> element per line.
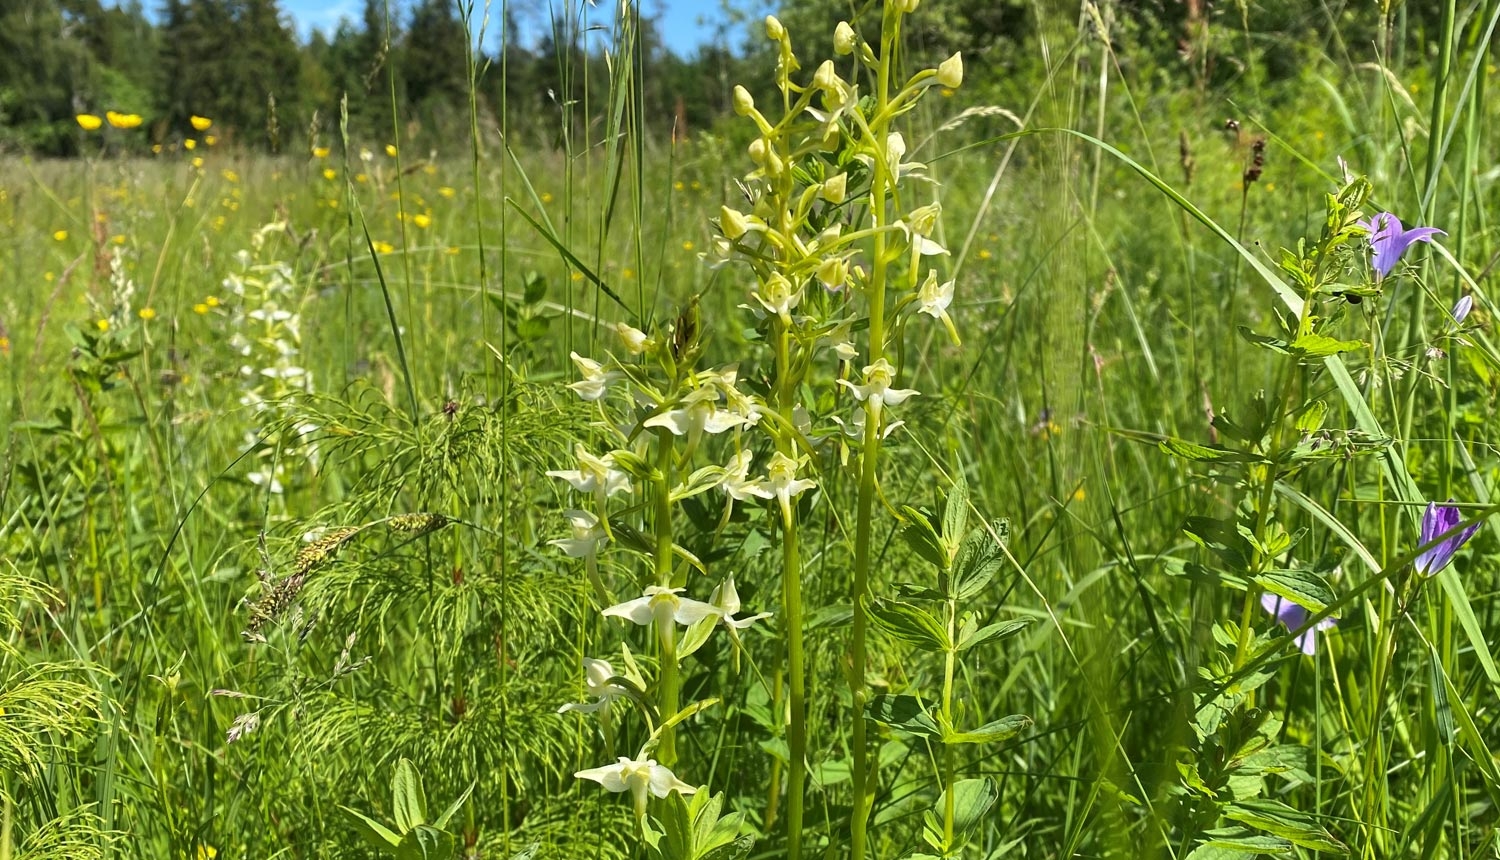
<point x="956" y="514"/>
<point x="1278" y="819"/>
<point x="920" y="534"/>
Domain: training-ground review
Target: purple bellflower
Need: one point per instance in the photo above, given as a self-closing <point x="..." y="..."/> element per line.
<point x="1294" y="616"/>
<point x="1461" y="309"/>
<point x="1437" y="521"/>
<point x="1388" y="241"/>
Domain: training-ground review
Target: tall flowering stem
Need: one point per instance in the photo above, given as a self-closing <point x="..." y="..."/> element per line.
<point x="881" y="186"/>
<point x="670" y="682"/>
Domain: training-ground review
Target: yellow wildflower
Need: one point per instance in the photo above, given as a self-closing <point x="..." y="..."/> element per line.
<point x="198" y="162"/>
<point x="123" y="120"/>
<point x="695" y="185"/>
<point x="687" y="246"/>
<point x="330" y="174"/>
<point x="118" y="238"/>
<point x="628" y="274"/>
<point x="88" y="122"/>
<point x="984" y="254"/>
<point x="454" y="250"/>
<point x="678" y="185"/>
<point x="212" y="301"/>
<point x="390" y="149"/>
<point x="423" y="221"/>
<point x="49" y="277"/>
<point x="200" y="308"/>
<point x="430" y="169"/>
<point x="207" y="852"/>
<point x="146" y="314"/>
<point x="230" y="175"/>
<point x="383" y="247"/>
<point x="320" y="152"/>
<point x="156" y="149"/>
<point x="60" y="235"/>
<point x="200" y="123"/>
<point x="577" y="275"/>
<point x="210" y="139"/>
<point x="447" y="191"/>
<point x="546" y="196"/>
<point x="360" y="177"/>
<point x="102" y="325"/>
<point x="190" y="144"/>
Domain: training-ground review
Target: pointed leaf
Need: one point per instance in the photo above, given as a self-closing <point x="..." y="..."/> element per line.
<point x="407" y="798"/>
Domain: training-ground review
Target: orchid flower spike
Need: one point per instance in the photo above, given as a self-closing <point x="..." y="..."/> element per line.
<point x="785" y="485"/>
<point x="662" y="605"/>
<point x="877" y="390"/>
<point x="697" y="414"/>
<point x="596" y="682"/>
<point x="595" y="475"/>
<point x="1292" y="617"/>
<point x="1388" y="241"/>
<point x="1438" y="521"/>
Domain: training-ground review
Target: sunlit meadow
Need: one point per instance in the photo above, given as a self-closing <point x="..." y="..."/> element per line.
<point x="924" y="463"/>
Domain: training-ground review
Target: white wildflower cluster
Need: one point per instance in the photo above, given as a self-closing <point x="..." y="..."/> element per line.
<point x="265" y="323"/>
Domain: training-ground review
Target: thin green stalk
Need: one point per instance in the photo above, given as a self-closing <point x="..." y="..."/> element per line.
<point x="791" y="598"/>
<point x="670" y="682"/>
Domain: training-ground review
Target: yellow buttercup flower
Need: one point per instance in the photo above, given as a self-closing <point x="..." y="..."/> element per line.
<point x="212" y="301"/>
<point x="360" y="177"/>
<point x="447" y="191"/>
<point x="60" y="235"/>
<point x="390" y="149"/>
<point x="118" y="238"/>
<point x="320" y="152"/>
<point x="102" y="325"/>
<point x="423" y="221"/>
<point x="687" y="246"/>
<point x="190" y="144"/>
<point x="146" y="314"/>
<point x="229" y="175"/>
<point x="198" y="162"/>
<point x="207" y="852"/>
<point x="156" y="149"/>
<point x="88" y="122"/>
<point x="546" y="196"/>
<point x="210" y="139"/>
<point x="329" y="173"/>
<point x="200" y="308"/>
<point x="454" y="250"/>
<point x="200" y="123"/>
<point x="123" y="120"/>
<point x="383" y="247"/>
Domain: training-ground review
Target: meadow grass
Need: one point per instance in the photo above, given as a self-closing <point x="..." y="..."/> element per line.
<point x="277" y="527"/>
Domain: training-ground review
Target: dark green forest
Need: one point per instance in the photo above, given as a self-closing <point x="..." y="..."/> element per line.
<point x="240" y="63"/>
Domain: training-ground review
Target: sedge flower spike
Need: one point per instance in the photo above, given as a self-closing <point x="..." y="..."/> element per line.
<point x="1438" y="522"/>
<point x="1293" y="617"/>
<point x="1388" y="241"/>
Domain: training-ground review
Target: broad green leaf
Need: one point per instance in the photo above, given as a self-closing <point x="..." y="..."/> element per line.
<point x="1202" y="454"/>
<point x="377" y="834"/>
<point x="1322" y="346"/>
<point x="902" y="712"/>
<point x="910" y="624"/>
<point x="1278" y="819"/>
<point x="972" y="798"/>
<point x="426" y="842"/>
<point x="407" y="799"/>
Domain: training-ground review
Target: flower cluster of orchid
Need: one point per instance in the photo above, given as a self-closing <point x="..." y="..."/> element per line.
<point x="266" y="323"/>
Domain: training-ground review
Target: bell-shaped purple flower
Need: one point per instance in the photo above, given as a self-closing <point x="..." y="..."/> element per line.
<point x="1437" y="521"/>
<point x="1293" y="616"/>
<point x="1388" y="241"/>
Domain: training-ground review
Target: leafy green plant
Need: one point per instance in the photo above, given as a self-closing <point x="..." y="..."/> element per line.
<point x="410" y="835"/>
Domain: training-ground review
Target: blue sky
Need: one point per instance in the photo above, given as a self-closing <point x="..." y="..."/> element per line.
<point x="686" y="24"/>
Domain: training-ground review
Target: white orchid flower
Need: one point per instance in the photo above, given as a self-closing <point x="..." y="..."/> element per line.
<point x="934" y="298"/>
<point x="596" y="675"/>
<point x="877" y="390"/>
<point x="587" y="535"/>
<point x="595" y="381"/>
<point x="632" y="339"/>
<point x="727" y="598"/>
<point x="777" y="297"/>
<point x="855" y="429"/>
<point x="698" y="414"/>
<point x="781" y="478"/>
<point x="639" y="777"/>
<point x="662" y="606"/>
<point x="738" y="484"/>
<point x="596" y="475"/>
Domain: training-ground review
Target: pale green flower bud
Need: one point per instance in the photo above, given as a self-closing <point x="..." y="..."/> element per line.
<point x="908" y="6"/>
<point x="733" y="223"/>
<point x="835" y="188"/>
<point x="833" y="273"/>
<point x="825" y="78"/>
<point x="759" y="150"/>
<point x="744" y="103"/>
<point x="922" y="220"/>
<point x="844" y="39"/>
<point x="950" y="72"/>
<point x="774" y="30"/>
